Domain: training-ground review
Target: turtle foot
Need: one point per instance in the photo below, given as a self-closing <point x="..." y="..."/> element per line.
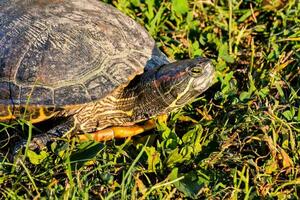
<point x="118" y="132"/>
<point x="38" y="143"/>
<point x="42" y="141"/>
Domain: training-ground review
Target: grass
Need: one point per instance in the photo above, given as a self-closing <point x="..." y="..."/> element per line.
<point x="239" y="140"/>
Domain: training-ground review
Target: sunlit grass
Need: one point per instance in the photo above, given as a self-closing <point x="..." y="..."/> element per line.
<point x="239" y="140"/>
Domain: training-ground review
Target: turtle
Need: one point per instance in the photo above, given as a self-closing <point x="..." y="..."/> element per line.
<point x="90" y="66"/>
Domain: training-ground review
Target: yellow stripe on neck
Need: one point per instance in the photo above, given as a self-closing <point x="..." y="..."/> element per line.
<point x="173" y="104"/>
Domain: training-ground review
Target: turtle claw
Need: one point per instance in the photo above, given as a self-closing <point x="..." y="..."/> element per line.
<point x="38" y="143"/>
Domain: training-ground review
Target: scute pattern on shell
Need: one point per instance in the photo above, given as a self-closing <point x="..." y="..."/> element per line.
<point x="59" y="52"/>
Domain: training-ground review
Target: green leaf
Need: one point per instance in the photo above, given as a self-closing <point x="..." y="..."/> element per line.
<point x="174" y="174"/>
<point x="180" y="6"/>
<point x="245" y="95"/>
<point x="191" y="183"/>
<point x="202" y="40"/>
<point x="188" y="136"/>
<point x="59" y="148"/>
<point x="196" y="49"/>
<point x="35" y="158"/>
<point x="136" y="2"/>
<point x="288" y="114"/>
<point x="198" y="140"/>
<point x="245" y="16"/>
<point x="150" y="10"/>
<point x="259" y="28"/>
<point x="264" y="92"/>
<point x="225" y="82"/>
<point x="174" y="157"/>
<point x="86" y="152"/>
<point x="153" y="158"/>
<point x="279" y="89"/>
<point x="223" y="53"/>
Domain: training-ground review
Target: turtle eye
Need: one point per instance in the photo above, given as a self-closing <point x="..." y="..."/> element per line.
<point x="196" y="71"/>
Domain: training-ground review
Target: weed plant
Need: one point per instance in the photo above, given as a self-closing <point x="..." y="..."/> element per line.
<point x="239" y="140"/>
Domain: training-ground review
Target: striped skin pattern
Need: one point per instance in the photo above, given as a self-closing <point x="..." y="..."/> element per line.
<point x="157" y="91"/>
<point x="89" y="63"/>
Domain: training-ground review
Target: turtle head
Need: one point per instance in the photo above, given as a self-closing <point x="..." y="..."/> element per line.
<point x="182" y="81"/>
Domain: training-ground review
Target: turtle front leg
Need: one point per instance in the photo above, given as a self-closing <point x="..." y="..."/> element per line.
<point x="40" y="141"/>
<point x="118" y="132"/>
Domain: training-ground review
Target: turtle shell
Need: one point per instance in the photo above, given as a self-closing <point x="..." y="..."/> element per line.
<point x="60" y="53"/>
